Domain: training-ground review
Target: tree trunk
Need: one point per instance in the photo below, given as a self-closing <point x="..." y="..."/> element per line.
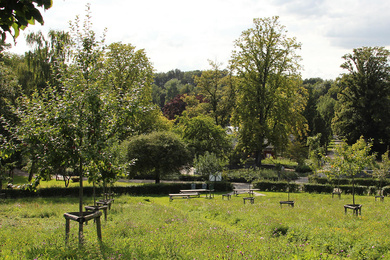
<point x="157" y="177"/>
<point x="81" y="224"/>
<point x="32" y="170"/>
<point x="353" y="190"/>
<point x="259" y="156"/>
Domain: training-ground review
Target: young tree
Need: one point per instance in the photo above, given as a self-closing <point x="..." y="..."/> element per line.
<point x="363" y="107"/>
<point x="351" y="160"/>
<point x="160" y="153"/>
<point x="74" y="127"/>
<point x="209" y="164"/>
<point x="382" y="169"/>
<point x="270" y="100"/>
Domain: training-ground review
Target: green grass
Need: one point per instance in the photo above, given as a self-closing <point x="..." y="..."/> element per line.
<point x="154" y="228"/>
<point x="283" y="161"/>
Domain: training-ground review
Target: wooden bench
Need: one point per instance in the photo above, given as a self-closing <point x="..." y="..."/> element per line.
<point x="251" y="199"/>
<point x="227" y="195"/>
<point x="183" y="195"/>
<point x="382" y="198"/>
<point x="356" y="208"/>
<point x="336" y="191"/>
<point x="243" y="191"/>
<point x="287" y="202"/>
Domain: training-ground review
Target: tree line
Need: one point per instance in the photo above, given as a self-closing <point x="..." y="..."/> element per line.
<point x="73" y="102"/>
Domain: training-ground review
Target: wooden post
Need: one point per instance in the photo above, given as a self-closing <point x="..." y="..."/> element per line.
<point x="98" y="229"/>
<point x="67" y="230"/>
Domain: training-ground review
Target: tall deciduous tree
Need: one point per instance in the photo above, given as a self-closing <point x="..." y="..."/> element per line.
<point x="44" y="60"/>
<point x="127" y="70"/>
<point x="217" y="86"/>
<point x="364" y="100"/>
<point x="270" y="97"/>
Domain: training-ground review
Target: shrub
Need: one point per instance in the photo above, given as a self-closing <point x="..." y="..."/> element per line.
<point x="317" y="188"/>
<point x="303" y="168"/>
<point x="281" y="186"/>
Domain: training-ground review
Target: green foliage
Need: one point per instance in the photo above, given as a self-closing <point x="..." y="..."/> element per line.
<point x="17" y="15"/>
<point x="316" y="152"/>
<point x="209" y="164"/>
<point x="350" y="160"/>
<point x="319" y="110"/>
<point x="203" y="135"/>
<point x="159" y="153"/>
<point x="128" y="70"/>
<point x="218" y="87"/>
<point x="363" y="108"/>
<point x="381" y="171"/>
<point x="44" y="61"/>
<point x="297" y="151"/>
<point x="271" y="99"/>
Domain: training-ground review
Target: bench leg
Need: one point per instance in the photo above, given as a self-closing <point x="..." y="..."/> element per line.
<point x="67" y="229"/>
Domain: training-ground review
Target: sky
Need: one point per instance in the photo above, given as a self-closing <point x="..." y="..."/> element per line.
<point x="186" y="34"/>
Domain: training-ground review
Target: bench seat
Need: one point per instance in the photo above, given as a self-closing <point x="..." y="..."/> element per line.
<point x="287" y="202"/>
<point x="183" y="195"/>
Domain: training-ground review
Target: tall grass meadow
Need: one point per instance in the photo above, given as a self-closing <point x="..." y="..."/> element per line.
<point x="199" y="228"/>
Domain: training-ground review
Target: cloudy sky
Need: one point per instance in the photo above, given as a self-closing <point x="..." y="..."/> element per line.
<point x="185" y="34"/>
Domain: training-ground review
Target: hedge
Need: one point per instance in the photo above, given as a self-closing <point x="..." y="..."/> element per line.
<point x="348" y="181"/>
<point x="277" y="186"/>
<point x="317" y="188"/>
<point x="146" y="189"/>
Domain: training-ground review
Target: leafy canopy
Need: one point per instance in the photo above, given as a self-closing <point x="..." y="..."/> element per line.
<point x="18" y="14"/>
<point x="270" y="100"/>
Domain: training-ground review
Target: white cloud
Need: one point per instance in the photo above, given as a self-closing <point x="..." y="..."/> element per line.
<point x="185" y="34"/>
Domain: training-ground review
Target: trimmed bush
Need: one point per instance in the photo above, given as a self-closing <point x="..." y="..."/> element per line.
<point x="276" y="186"/>
<point x="317" y="188"/>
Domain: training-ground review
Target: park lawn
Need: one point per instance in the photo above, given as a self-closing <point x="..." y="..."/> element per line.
<point x="151" y="227"/>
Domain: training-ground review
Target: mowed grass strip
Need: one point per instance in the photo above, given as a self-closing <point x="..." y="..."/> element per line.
<point x="199" y="228"/>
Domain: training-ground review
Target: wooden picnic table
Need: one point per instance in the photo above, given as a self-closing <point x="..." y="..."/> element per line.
<point x="183" y="195"/>
<point x="241" y="191"/>
<point x="207" y="191"/>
